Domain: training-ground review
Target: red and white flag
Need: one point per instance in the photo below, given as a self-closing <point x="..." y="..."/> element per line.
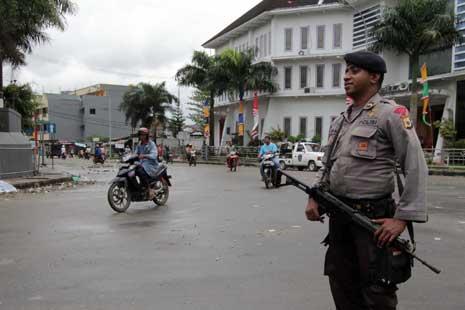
<point x="256" y="118"/>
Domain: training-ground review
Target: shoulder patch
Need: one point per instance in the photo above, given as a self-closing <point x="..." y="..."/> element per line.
<point x="402" y="111"/>
<point x="404" y="116"/>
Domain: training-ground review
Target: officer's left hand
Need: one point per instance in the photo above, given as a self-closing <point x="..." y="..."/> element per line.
<point x="389" y="230"/>
<point x="141" y="156"/>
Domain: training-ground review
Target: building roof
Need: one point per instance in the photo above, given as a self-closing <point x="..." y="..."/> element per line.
<point x="265" y="6"/>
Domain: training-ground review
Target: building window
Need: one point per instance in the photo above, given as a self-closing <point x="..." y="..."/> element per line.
<point x="92" y="111"/>
<point x="336" y="75"/>
<point x="362" y="22"/>
<point x="262" y="123"/>
<point x="337" y="36"/>
<point x="303" y="127"/>
<point x="256" y="47"/>
<point x="304" y="38"/>
<point x="303" y="76"/>
<point x="288" y="39"/>
<point x="287" y="126"/>
<point x="228" y="130"/>
<point x="288" y="77"/>
<point x="261" y="50"/>
<point x="320" y="75"/>
<point x="318" y="126"/>
<point x="265" y="44"/>
<point x="269" y="43"/>
<point x="320" y="36"/>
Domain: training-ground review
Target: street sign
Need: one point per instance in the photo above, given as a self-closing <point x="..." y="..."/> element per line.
<point x="96" y="139"/>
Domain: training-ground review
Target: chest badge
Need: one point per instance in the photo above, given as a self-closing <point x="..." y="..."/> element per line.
<point x="362" y="146"/>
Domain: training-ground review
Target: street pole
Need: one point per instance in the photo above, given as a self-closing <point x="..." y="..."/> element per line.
<point x="109" y="121"/>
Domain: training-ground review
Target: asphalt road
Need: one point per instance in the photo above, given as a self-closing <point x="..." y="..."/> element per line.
<point x="223" y="242"/>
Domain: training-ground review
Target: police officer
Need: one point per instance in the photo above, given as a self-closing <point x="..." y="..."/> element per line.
<point x="365" y="142"/>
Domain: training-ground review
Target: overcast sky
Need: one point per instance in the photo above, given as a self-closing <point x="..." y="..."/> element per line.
<point x="126" y="41"/>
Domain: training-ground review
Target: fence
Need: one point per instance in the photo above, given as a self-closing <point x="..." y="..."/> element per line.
<point x="445" y="157"/>
<point x="248" y="155"/>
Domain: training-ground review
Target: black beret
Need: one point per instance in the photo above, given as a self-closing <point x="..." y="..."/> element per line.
<point x="366" y="60"/>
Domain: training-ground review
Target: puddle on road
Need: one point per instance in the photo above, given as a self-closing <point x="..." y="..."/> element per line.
<point x="141" y="224"/>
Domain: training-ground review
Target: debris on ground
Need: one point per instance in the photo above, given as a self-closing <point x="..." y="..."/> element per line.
<point x="7" y="188"/>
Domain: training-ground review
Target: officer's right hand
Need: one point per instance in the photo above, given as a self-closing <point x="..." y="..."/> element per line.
<point x="311" y="211"/>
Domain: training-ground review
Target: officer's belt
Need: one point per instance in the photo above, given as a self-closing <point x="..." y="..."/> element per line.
<point x="366" y="206"/>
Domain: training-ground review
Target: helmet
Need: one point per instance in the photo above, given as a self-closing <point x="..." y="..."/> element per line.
<point x="143" y="131"/>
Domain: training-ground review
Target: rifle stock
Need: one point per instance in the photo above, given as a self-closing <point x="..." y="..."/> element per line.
<point x="328" y="203"/>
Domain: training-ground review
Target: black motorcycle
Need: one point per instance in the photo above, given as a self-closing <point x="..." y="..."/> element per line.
<point x="270" y="170"/>
<point x="126" y="187"/>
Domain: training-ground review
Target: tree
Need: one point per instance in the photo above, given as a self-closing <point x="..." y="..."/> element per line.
<point x="177" y="121"/>
<point x="23" y="24"/>
<point x="196" y="109"/>
<point x="22" y="99"/>
<point x="147" y="104"/>
<point x="245" y="75"/>
<point x="205" y="74"/>
<point x="416" y="27"/>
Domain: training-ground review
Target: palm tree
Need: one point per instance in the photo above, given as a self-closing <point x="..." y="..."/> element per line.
<point x="416" y="27"/>
<point x="147" y="104"/>
<point x="204" y="74"/>
<point x="23" y="24"/>
<point x="245" y="75"/>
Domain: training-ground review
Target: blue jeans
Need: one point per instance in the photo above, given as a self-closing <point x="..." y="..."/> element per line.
<point x="276" y="166"/>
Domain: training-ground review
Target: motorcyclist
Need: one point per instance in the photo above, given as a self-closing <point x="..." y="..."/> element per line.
<point x="147" y="151"/>
<point x="189" y="149"/>
<point x="267" y="148"/>
<point x="231" y="150"/>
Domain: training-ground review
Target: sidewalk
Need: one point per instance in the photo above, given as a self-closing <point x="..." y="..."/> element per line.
<point x="46" y="177"/>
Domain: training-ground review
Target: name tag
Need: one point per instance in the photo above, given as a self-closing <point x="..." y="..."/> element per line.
<point x="369" y="122"/>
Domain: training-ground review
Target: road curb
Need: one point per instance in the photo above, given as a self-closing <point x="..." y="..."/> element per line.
<point x="41" y="182"/>
<point x="450" y="173"/>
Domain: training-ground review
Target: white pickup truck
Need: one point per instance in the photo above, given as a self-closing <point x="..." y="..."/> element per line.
<point x="303" y="155"/>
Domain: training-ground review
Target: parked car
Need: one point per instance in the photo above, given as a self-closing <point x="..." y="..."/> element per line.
<point x="303" y="155"/>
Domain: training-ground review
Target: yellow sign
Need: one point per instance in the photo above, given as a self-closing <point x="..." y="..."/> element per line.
<point x="240" y="130"/>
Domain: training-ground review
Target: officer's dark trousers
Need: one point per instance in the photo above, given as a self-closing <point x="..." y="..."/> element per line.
<point x="349" y="266"/>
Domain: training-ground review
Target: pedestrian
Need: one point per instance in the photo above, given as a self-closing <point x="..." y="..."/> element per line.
<point x="63" y="151"/>
<point x="360" y="164"/>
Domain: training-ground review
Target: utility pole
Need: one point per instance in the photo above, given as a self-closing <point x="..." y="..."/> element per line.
<point x="109" y="121"/>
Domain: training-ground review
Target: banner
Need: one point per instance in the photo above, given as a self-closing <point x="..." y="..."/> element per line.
<point x="256" y="118"/>
<point x="206" y="115"/>
<point x="240" y="119"/>
<point x="425" y="94"/>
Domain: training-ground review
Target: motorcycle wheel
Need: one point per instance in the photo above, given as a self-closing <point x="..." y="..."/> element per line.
<point x="119" y="197"/>
<point x="162" y="197"/>
<point x="267" y="179"/>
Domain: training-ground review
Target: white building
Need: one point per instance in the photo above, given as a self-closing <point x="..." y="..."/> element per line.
<point x="306" y="41"/>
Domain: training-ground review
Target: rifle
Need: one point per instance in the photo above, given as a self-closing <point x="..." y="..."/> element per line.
<point x="329" y="203"/>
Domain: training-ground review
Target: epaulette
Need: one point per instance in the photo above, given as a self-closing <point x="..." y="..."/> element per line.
<point x="388" y="101"/>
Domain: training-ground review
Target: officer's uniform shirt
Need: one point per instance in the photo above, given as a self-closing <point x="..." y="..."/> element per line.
<point x="365" y="153"/>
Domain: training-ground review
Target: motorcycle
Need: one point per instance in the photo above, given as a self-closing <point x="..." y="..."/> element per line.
<point x="233" y="161"/>
<point x="99" y="159"/>
<point x="126" y="188"/>
<point x="193" y="159"/>
<point x="270" y="178"/>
